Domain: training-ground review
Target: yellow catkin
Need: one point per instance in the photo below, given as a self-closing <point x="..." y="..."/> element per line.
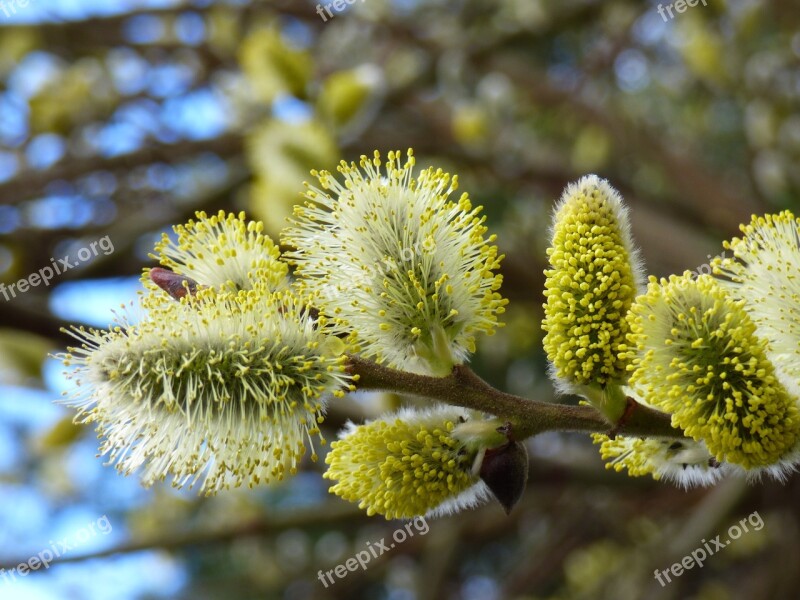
<point x="697" y="356"/>
<point x="763" y="271"/>
<point x="591" y="283"/>
<point x="401" y="259"/>
<point x="402" y="466"/>
<point x="226" y="385"/>
<point x="223" y="250"/>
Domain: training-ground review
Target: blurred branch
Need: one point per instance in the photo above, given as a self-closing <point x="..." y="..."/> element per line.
<point x="332" y="515"/>
<point x="90" y="34"/>
<point x="701" y="193"/>
<point x="28" y="183"/>
<point x="32" y="315"/>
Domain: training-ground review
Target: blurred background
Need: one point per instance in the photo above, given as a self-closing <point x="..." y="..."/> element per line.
<point x="120" y="118"/>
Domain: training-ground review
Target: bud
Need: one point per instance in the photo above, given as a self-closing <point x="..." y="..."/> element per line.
<point x="505" y="471"/>
<point x="175" y="285"/>
<point x="348" y="99"/>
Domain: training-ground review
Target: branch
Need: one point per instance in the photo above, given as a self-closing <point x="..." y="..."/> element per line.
<point x="171" y="540"/>
<point x="699" y="192"/>
<point x="30" y="182"/>
<point x="464" y="388"/>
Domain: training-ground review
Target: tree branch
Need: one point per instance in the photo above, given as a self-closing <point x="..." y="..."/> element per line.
<point x="464" y="388"/>
<point x="30" y="182"/>
<point x="172" y="540"/>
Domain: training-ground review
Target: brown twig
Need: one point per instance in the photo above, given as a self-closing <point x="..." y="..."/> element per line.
<point x="464" y="388"/>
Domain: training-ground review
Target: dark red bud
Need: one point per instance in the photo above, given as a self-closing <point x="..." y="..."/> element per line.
<point x="505" y="471"/>
<point x="175" y="285"/>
